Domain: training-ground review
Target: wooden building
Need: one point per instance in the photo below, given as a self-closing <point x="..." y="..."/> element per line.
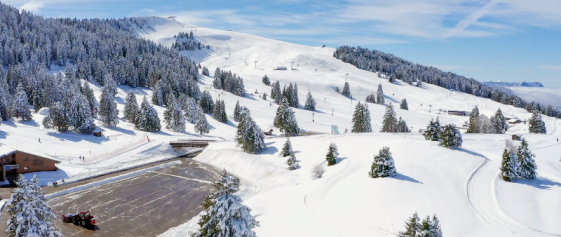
<point x="457" y="113"/>
<point x="14" y="162"/>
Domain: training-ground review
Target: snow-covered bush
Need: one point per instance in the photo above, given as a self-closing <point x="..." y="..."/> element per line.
<point x="317" y="171"/>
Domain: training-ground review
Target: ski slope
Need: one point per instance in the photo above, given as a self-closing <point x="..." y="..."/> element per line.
<point x="462" y="187"/>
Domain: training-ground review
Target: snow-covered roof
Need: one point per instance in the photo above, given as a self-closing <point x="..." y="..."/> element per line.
<point x="6" y="150"/>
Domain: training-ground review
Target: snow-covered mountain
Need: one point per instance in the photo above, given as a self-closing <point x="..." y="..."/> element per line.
<point x="512" y="84"/>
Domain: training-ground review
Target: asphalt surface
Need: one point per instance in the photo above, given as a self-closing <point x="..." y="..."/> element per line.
<point x="147" y="204"/>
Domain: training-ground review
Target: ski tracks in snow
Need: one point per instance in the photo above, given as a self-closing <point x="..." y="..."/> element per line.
<point x="480" y="191"/>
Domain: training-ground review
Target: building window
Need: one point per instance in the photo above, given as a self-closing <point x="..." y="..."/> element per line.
<point x="37" y="162"/>
<point x="25" y="168"/>
<point x="25" y="159"/>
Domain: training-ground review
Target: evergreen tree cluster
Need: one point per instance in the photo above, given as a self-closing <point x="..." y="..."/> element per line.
<point x="285" y="120"/>
<point x="187" y="41"/>
<point x="536" y="124"/>
<point x="276" y="93"/>
<point x="224" y="213"/>
<point x="383" y="165"/>
<point x="371" y="98"/>
<point x="220" y="111"/>
<point x="249" y="135"/>
<point x="391" y="124"/>
<point x="432" y="133"/>
<point x="479" y="123"/>
<point x="108" y="113"/>
<point x="30" y="211"/>
<point x="206" y="103"/>
<point x="90" y="49"/>
<point x="450" y="137"/>
<point x="361" y="119"/>
<point x="228" y="81"/>
<point x="398" y="68"/>
<point x="414" y="227"/>
<point x="205" y="72"/>
<point x="148" y="119"/>
<point x="518" y="162"/>
<point x="174" y="117"/>
<point x="289" y="92"/>
<point x="310" y="102"/>
<point x="266" y="80"/>
<point x="287" y="151"/>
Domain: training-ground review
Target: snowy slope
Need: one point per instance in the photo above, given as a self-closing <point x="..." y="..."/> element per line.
<point x="462" y="187"/>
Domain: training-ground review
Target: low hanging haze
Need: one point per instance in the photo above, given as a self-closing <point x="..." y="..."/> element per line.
<point x="506" y="40"/>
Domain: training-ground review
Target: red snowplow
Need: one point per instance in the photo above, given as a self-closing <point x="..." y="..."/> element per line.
<point x="83" y="218"/>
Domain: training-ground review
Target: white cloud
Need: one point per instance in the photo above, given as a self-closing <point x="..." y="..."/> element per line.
<point x="32" y="6"/>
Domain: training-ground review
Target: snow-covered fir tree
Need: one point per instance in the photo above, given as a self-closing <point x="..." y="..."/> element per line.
<point x="110" y="85"/>
<point x="389" y="122"/>
<point x="383" y="165"/>
<point x="391" y="79"/>
<point x="310" y="102"/>
<point x="20" y="106"/>
<point x="332" y="154"/>
<point x="499" y="123"/>
<point x="536" y="124"/>
<point x="294" y="96"/>
<point x="30" y="211"/>
<point x="205" y="72"/>
<point x="264" y="96"/>
<point x="402" y="126"/>
<point x="192" y="110"/>
<point x="403" y="105"/>
<point x="148" y="119"/>
<point x="219" y="112"/>
<point x="276" y="93"/>
<point x="380" y="95"/>
<point x="509" y="165"/>
<point x="361" y="119"/>
<point x="202" y="126"/>
<point x="92" y="101"/>
<point x="84" y="121"/>
<point x="346" y="90"/>
<point x="237" y="111"/>
<point x="450" y="137"/>
<point x="206" y="102"/>
<point x="249" y="135"/>
<point x="174" y="118"/>
<point x="56" y="118"/>
<point x="131" y="107"/>
<point x="473" y="125"/>
<point x="432" y="133"/>
<point x="5" y="106"/>
<point x="287" y="148"/>
<point x="527" y="165"/>
<point x="412" y="227"/>
<point x="292" y="162"/>
<point x="371" y="98"/>
<point x="108" y="113"/>
<point x="285" y="120"/>
<point x="266" y="80"/>
<point x="224" y="213"/>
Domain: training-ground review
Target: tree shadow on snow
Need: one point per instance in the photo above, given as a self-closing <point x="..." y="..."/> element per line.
<point x="406" y="178"/>
<point x="340" y="159"/>
<point x="269" y="143"/>
<point x="122" y="130"/>
<point x="3" y="135"/>
<point x="471" y="152"/>
<point x="539" y="182"/>
<point x="32" y="123"/>
<point x="77" y="137"/>
<point x="270" y="150"/>
<point x="229" y="123"/>
<point x="9" y="123"/>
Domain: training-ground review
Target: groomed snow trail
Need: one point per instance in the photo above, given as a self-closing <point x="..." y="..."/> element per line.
<point x="480" y="190"/>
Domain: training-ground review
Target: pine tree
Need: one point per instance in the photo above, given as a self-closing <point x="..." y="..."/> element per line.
<point x="536" y="124"/>
<point x="361" y="119"/>
<point x="498" y="121"/>
<point x="264" y="96"/>
<point x="237" y="110"/>
<point x="451" y="137"/>
<point x="509" y="162"/>
<point x="404" y="105"/>
<point x="292" y="162"/>
<point x="287" y="148"/>
<point x="527" y="167"/>
<point x="192" y="111"/>
<point x="389" y="123"/>
<point x="84" y="122"/>
<point x="202" y="126"/>
<point x="285" y="120"/>
<point x="346" y="90"/>
<point x="430" y="228"/>
<point x="108" y="113"/>
<point x="249" y="135"/>
<point x="20" y="106"/>
<point x="148" y="119"/>
<point x="224" y="213"/>
<point x="174" y="118"/>
<point x="391" y="79"/>
<point x="294" y="96"/>
<point x="383" y="165"/>
<point x="218" y="112"/>
<point x="473" y="123"/>
<point x="371" y="98"/>
<point x="56" y="118"/>
<point x="131" y="107"/>
<point x="432" y="133"/>
<point x="206" y="102"/>
<point x="380" y="95"/>
<point x="402" y="126"/>
<point x="310" y="102"/>
<point x="266" y="80"/>
<point x="30" y="212"/>
<point x="94" y="105"/>
<point x="332" y="154"/>
<point x="412" y="227"/>
<point x="110" y="85"/>
<point x="5" y="109"/>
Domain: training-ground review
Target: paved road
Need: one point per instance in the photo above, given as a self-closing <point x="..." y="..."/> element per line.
<point x="144" y="205"/>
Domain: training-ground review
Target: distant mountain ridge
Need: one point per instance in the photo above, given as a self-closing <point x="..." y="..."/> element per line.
<point x="512" y="84"/>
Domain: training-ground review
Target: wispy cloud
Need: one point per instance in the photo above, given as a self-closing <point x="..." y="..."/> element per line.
<point x="32" y="6"/>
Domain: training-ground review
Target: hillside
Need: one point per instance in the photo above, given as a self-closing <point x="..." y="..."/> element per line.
<point x="511" y="84"/>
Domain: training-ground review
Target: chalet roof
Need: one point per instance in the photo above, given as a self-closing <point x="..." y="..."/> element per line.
<point x="6" y="150"/>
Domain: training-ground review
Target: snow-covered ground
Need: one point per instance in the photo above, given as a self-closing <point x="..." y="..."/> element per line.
<point x="461" y="186"/>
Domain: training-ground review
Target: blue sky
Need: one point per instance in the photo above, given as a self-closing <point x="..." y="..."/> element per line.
<point x="489" y="40"/>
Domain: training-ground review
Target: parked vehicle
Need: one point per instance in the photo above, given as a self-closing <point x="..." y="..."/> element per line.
<point x="83" y="218"/>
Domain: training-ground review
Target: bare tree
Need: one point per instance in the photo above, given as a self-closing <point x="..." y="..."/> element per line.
<point x="317" y="171"/>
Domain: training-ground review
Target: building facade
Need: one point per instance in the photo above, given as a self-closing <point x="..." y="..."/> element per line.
<point x="14" y="162"/>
